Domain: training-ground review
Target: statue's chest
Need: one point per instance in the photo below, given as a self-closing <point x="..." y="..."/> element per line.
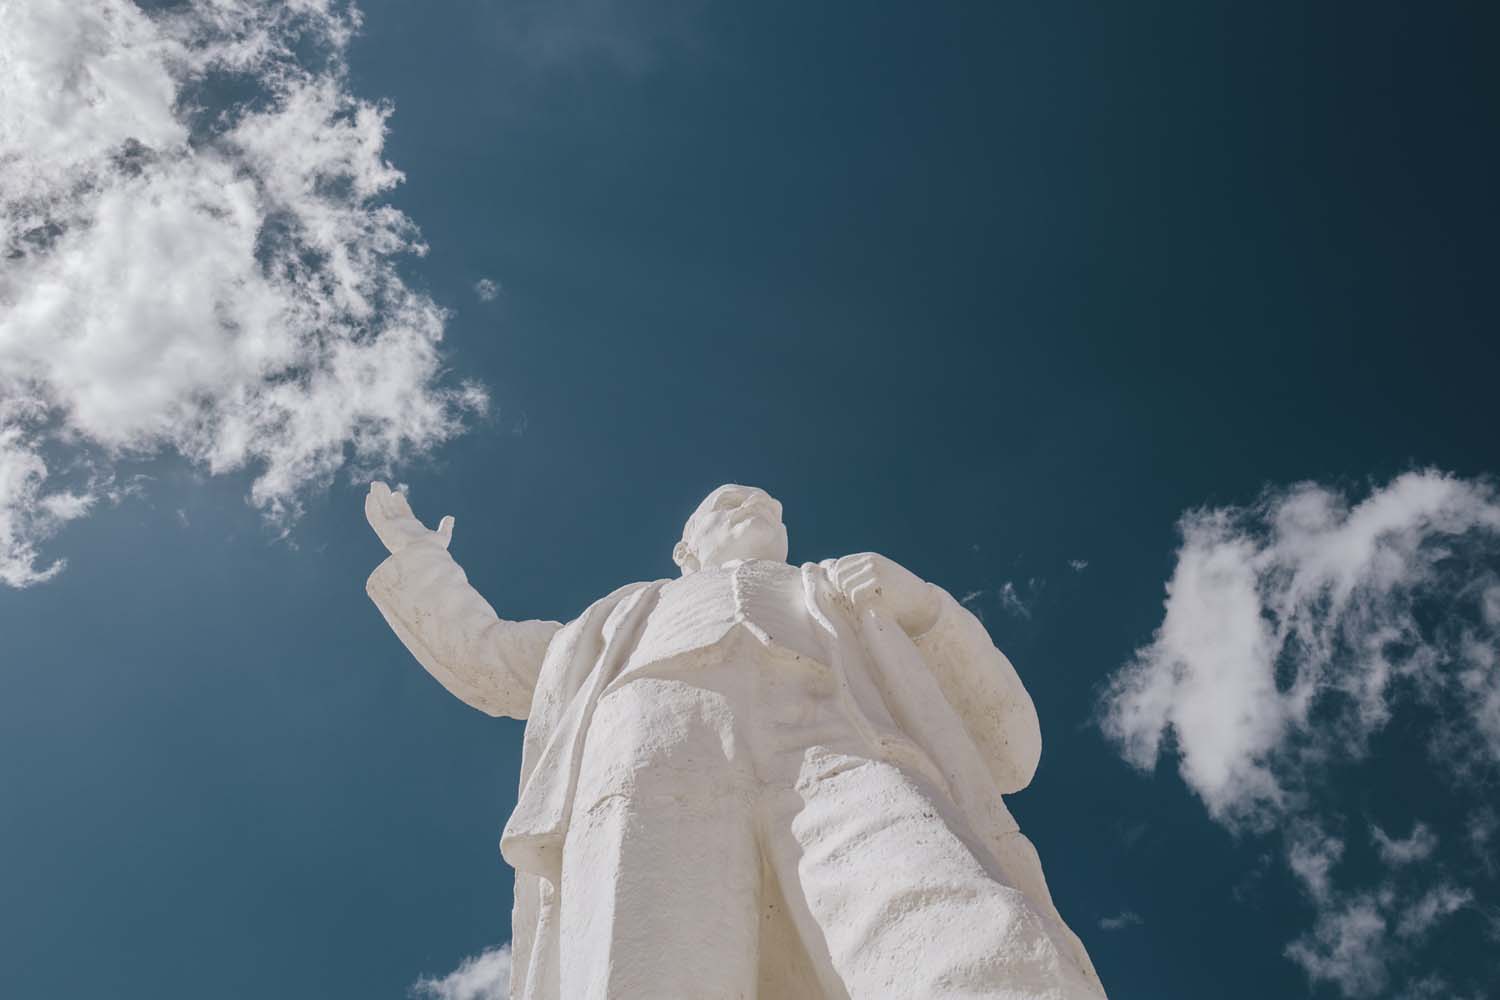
<point x="703" y="609"/>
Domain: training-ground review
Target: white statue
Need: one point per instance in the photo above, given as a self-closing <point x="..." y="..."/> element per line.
<point x="756" y="780"/>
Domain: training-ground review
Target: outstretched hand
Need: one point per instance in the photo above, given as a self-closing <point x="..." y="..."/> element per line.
<point x="391" y="517"/>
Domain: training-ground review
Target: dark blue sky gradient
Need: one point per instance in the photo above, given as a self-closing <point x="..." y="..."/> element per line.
<point x="985" y="287"/>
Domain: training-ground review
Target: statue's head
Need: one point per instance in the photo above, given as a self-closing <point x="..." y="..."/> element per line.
<point x="733" y="522"/>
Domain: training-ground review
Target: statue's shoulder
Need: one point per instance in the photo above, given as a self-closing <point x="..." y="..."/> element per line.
<point x="618" y="595"/>
<point x="598" y="612"/>
<point x="582" y="638"/>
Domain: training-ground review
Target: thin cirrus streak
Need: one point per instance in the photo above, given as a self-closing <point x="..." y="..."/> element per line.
<point x="185" y="275"/>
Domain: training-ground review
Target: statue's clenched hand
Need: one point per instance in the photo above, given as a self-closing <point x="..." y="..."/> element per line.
<point x="870" y="580"/>
<point x="391" y="517"/>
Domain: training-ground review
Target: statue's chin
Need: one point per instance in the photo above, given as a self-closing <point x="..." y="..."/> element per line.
<point x="753" y="538"/>
<point x="745" y="553"/>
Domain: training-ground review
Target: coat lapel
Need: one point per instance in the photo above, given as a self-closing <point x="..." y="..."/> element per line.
<point x="532" y="840"/>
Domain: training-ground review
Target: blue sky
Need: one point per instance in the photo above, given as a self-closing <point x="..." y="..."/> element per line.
<point x="1053" y="303"/>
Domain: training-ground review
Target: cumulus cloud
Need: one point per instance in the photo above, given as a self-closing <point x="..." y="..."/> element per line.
<point x="485" y="976"/>
<point x="1289" y="625"/>
<point x="487" y="290"/>
<point x="183" y="275"/>
<point x="1294" y="631"/>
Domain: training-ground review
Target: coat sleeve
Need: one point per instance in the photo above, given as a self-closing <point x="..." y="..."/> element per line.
<point x="985" y="690"/>
<point x="482" y="660"/>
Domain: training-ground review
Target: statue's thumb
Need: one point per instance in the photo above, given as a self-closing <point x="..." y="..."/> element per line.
<point x="445" y="530"/>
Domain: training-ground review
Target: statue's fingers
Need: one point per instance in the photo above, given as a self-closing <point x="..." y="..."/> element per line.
<point x="375" y="500"/>
<point x="858" y="575"/>
<point x="397" y="505"/>
<point x="375" y="511"/>
<point x="864" y="591"/>
<point x="445" y="530"/>
<point x="845" y="571"/>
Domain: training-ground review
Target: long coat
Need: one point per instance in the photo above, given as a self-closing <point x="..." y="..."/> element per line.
<point x="946" y="703"/>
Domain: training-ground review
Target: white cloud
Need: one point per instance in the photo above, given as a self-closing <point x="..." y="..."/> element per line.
<point x="1120" y="921"/>
<point x="1078" y="565"/>
<point x="219" y="283"/>
<point x="1416" y="847"/>
<point x="487" y="290"/>
<point x="1305" y="604"/>
<point x="1294" y="630"/>
<point x="485" y="976"/>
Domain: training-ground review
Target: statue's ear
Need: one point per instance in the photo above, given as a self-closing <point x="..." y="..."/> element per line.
<point x="684" y="558"/>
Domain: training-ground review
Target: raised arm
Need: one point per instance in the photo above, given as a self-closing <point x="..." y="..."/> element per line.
<point x="484" y="661"/>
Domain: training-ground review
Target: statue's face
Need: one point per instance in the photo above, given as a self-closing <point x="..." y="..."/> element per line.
<point x="735" y="522"/>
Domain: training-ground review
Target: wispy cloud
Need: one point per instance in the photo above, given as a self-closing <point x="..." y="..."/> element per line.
<point x="29" y="513"/>
<point x="1078" y="565"/>
<point x="1361" y="936"/>
<point x="630" y="37"/>
<point x="1479" y="831"/>
<point x="1416" y="847"/>
<point x="1311" y="854"/>
<point x="1120" y="921"/>
<point x="1018" y="599"/>
<point x="1435" y="987"/>
<point x="218" y="282"/>
<point x="487" y="290"/>
<point x="1012" y="601"/>
<point x="485" y="976"/>
<point x="1294" y="630"/>
<point x="1359" y="939"/>
<point x="1348" y="947"/>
